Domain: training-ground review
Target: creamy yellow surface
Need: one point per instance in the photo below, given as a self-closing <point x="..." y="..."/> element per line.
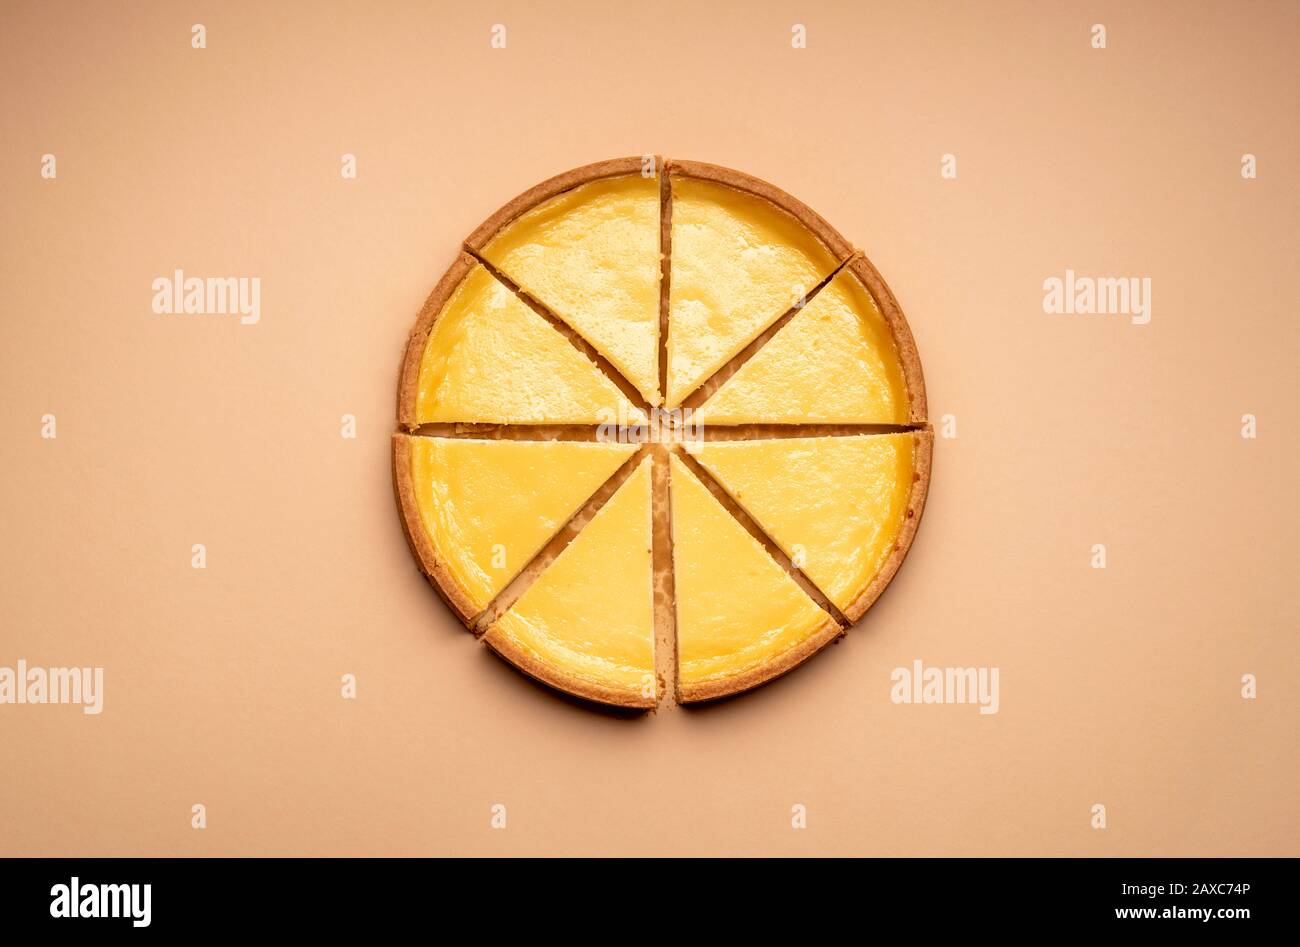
<point x="738" y="264"/>
<point x="590" y="615"/>
<point x="591" y="256"/>
<point x="834" y="362"/>
<point x="489" y="506"/>
<point x="737" y="608"/>
<point x="489" y="358"/>
<point x="835" y="505"/>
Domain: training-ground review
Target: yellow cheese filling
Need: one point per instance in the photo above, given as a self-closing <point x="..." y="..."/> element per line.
<point x="590" y="615"/>
<point x="834" y="362"/>
<point x="835" y="505"/>
<point x="489" y="506"/>
<point x="491" y="359"/>
<point x="591" y="256"/>
<point x="738" y="264"/>
<point x="737" y="609"/>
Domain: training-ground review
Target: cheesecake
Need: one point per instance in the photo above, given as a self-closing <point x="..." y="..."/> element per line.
<point x="586" y="626"/>
<point x="741" y="619"/>
<point x="771" y="460"/>
<point x="477" y="511"/>
<point x="590" y="254"/>
<point x="742" y="255"/>
<point x="842" y="358"/>
<point x="838" y="506"/>
<point x="479" y="354"/>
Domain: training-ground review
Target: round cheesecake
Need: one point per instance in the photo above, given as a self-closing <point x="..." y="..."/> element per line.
<point x="662" y="433"/>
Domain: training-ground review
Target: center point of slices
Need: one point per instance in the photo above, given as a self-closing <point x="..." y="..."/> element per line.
<point x="657" y="425"/>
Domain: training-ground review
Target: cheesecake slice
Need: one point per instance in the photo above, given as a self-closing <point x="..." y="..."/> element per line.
<point x="477" y="511"/>
<point x="739" y="262"/>
<point x="478" y="354"/>
<point x="841" y="359"/>
<point x="590" y="254"/>
<point x="741" y="619"/>
<point x="844" y="509"/>
<point x="586" y="625"/>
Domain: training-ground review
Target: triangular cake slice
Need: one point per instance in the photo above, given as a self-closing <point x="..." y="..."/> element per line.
<point x="741" y="619"/>
<point x="480" y="355"/>
<point x="477" y="511"/>
<point x="591" y="256"/>
<point x="586" y="626"/>
<point x="842" y="508"/>
<point x="739" y="263"/>
<point x="837" y="361"/>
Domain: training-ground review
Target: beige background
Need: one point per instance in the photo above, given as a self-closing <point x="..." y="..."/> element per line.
<point x="1119" y="687"/>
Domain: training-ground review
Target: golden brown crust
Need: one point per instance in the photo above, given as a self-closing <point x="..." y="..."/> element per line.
<point x="922" y="460"/>
<point x="434" y="569"/>
<point x="498" y="431"/>
<point x="870" y="277"/>
<point x="665" y="601"/>
<point x="409" y="381"/>
<point x="614" y="167"/>
<point x="796" y="208"/>
<point x="558" y="678"/>
<point x="776" y="430"/>
<point x="783" y="663"/>
<point x="665" y="276"/>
